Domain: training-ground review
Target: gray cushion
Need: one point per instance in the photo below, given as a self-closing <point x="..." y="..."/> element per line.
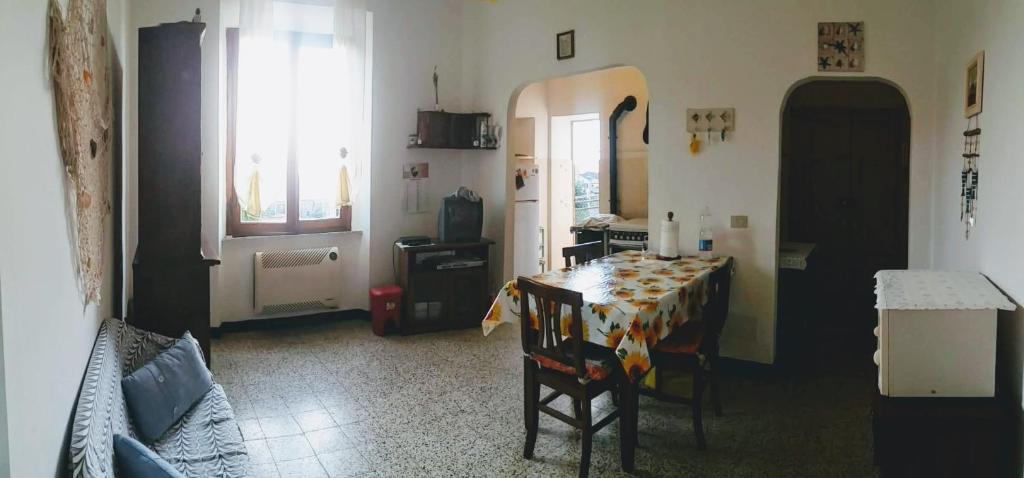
<point x="135" y="460"/>
<point x="163" y="390"/>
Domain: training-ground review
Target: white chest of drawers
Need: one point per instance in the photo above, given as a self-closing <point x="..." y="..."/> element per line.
<point x="936" y="333"/>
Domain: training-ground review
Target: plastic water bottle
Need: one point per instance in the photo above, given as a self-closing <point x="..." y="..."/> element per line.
<point x="705" y="239"/>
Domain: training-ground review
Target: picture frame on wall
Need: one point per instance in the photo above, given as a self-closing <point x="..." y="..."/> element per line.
<point x="974" y="83"/>
<point x="565" y="45"/>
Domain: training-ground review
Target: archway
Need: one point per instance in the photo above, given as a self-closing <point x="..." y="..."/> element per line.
<point x="844" y="196"/>
<point x="550" y="122"/>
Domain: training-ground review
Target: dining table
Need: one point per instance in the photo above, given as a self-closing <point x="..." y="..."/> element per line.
<point x="631" y="300"/>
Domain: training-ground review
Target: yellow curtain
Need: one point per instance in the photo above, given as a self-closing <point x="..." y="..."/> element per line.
<point x="344" y="198"/>
<point x="252" y="205"/>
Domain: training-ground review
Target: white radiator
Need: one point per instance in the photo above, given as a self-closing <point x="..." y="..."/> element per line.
<point x="296" y="281"/>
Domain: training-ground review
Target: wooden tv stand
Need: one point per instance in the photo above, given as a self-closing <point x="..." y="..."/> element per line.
<point x="437" y="298"/>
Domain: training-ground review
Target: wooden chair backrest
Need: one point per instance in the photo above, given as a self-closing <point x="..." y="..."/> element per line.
<point x="583" y="252"/>
<point x="547" y="340"/>
<point x="717" y="309"/>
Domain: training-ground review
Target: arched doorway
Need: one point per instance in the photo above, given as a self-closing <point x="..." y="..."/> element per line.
<point x="844" y="187"/>
<point x="564" y="168"/>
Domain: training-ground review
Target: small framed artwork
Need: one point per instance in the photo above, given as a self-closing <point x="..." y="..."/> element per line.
<point x="974" y="85"/>
<point x="565" y="45"/>
<point x="841" y="46"/>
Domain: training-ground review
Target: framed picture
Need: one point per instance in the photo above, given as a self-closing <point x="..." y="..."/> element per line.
<point x="565" y="45"/>
<point x="841" y="46"/>
<point x="974" y="85"/>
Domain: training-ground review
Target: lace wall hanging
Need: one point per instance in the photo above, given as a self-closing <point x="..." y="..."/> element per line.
<point x="80" y="69"/>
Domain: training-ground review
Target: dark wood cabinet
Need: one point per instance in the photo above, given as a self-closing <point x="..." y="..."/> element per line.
<point x="439" y="290"/>
<point x="440" y="129"/>
<point x="171" y="275"/>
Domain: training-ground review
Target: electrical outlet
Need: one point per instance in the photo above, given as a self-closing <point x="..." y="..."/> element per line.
<point x="738" y="222"/>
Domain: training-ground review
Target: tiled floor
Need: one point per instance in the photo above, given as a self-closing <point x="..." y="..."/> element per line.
<point x="335" y="400"/>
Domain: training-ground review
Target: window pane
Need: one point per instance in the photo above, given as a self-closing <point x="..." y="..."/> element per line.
<point x="261" y="149"/>
<point x="586" y="157"/>
<point x="318" y="132"/>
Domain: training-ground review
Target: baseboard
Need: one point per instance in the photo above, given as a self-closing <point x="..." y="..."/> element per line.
<point x="289" y="322"/>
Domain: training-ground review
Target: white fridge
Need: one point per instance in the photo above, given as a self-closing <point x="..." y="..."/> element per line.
<point x="527" y="239"/>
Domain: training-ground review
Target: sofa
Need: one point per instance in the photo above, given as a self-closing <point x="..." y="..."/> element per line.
<point x="205" y="442"/>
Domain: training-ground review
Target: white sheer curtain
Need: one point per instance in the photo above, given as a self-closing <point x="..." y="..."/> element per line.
<point x="302" y="93"/>
<point x="350" y="39"/>
<point x="261" y="154"/>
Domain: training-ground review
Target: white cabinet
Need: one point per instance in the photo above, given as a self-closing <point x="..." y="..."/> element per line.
<point x="937" y="333"/>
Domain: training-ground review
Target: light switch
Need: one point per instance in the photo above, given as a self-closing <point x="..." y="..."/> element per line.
<point x="738" y="222"/>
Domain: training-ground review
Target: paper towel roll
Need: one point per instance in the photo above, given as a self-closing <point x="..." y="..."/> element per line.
<point x="669" y="245"/>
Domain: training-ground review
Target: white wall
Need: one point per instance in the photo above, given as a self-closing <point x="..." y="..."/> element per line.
<point x="994" y="249"/>
<point x="734" y="53"/>
<point x="409" y="39"/>
<point x="47" y="332"/>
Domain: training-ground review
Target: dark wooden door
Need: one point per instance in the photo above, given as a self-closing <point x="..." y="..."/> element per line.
<point x="846" y="179"/>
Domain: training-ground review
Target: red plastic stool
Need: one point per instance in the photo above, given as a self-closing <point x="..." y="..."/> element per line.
<point x="385" y="306"/>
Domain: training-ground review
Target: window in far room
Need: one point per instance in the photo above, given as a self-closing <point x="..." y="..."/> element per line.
<point x="296" y="117"/>
<point x="586" y="158"/>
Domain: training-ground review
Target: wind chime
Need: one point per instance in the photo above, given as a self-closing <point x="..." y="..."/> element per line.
<point x="969" y="175"/>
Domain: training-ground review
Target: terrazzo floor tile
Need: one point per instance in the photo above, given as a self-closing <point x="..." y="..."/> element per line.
<point x="280" y="426"/>
<point x="263" y="470"/>
<point x="342" y="402"/>
<point x="343" y="415"/>
<point x="301" y="468"/>
<point x="250" y="429"/>
<point x="328" y="440"/>
<point x="259" y="452"/>
<point x="314" y="420"/>
<point x="344" y="463"/>
<point x="289" y="448"/>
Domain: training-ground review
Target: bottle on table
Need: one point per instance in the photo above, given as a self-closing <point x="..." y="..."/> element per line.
<point x="705" y="238"/>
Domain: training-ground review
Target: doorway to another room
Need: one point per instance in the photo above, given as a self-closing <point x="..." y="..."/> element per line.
<point x="569" y="170"/>
<point x="575" y="176"/>
<point x="844" y="206"/>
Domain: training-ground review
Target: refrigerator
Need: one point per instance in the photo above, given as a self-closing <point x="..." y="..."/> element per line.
<point x="528" y="237"/>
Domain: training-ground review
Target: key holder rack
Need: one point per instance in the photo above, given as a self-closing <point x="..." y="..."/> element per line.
<point x="710" y="120"/>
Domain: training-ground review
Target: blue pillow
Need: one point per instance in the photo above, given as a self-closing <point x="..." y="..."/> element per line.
<point x="160" y="392"/>
<point x="134" y="459"/>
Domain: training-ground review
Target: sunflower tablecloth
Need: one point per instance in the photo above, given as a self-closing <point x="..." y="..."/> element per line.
<point x="630" y="302"/>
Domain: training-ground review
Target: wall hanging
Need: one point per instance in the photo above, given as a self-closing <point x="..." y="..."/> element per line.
<point x="711" y="123"/>
<point x="413" y="175"/>
<point x="974" y="85"/>
<point x="969" y="176"/>
<point x="841" y="46"/>
<point x="80" y="64"/>
<point x="565" y="45"/>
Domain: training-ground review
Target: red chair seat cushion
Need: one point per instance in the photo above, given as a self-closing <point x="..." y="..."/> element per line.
<point x="685" y="339"/>
<point x="596" y="370"/>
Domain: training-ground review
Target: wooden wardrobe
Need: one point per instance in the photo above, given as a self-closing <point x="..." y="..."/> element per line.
<point x="171" y="282"/>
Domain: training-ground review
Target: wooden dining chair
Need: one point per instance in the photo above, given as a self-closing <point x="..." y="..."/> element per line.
<point x="692" y="349"/>
<point x="583" y="252"/>
<point x="563" y="364"/>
